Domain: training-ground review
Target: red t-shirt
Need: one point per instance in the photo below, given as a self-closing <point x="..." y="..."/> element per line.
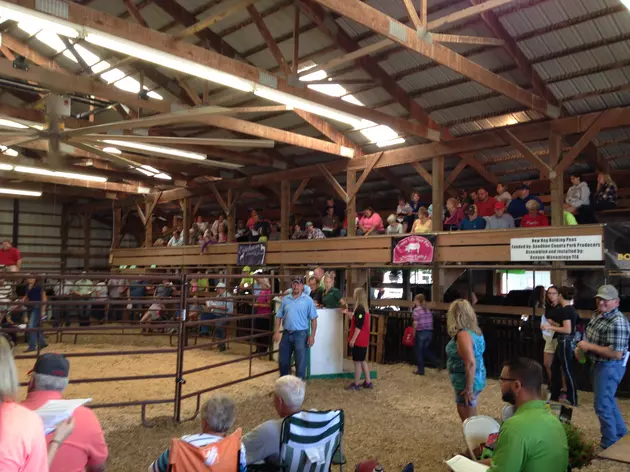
<point x="486" y="208"/>
<point x="361" y="320"/>
<point x="10" y="257"/>
<point x="538" y="220"/>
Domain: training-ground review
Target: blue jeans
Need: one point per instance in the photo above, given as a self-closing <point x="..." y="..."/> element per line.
<point x="423" y="351"/>
<point x="293" y="343"/>
<point x="34" y="321"/>
<point x="606" y="378"/>
<point x="219" y="326"/>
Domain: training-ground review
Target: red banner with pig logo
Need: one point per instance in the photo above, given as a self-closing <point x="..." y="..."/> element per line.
<point x="414" y="249"/>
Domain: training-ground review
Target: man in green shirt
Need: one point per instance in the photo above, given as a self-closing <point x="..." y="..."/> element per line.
<point x="533" y="440"/>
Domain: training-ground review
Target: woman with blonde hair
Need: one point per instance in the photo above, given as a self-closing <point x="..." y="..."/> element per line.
<point x="359" y="339"/>
<point x="605" y="197"/>
<point x="464" y="354"/>
<point x="331" y="296"/>
<point x="423" y="223"/>
<point x="22" y="438"/>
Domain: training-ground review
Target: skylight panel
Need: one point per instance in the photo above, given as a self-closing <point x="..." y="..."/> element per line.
<point x="51" y="40"/>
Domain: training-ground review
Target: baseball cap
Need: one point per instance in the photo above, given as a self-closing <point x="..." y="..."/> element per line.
<point x="52" y="364"/>
<point x="607" y="292"/>
<point x="247" y="269"/>
<point x="499" y="206"/>
<point x="220" y="285"/>
<point x="309" y="223"/>
<point x="299" y="280"/>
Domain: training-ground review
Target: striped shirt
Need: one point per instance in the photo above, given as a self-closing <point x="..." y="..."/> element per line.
<point x="423" y="319"/>
<point x="5" y="292"/>
<point x="197" y="440"/>
<point x="609" y="329"/>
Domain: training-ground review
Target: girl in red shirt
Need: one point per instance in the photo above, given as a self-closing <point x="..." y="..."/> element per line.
<point x="359" y="339"/>
<point x="533" y="217"/>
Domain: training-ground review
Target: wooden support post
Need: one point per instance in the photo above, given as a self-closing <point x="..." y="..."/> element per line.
<point x="64" y="229"/>
<point x="285" y="209"/>
<point x="230" y="216"/>
<point x="87" y="238"/>
<point x="117" y="228"/>
<point x="556" y="181"/>
<point x="437" y="177"/>
<point x="186" y="224"/>
<point x="351" y="211"/>
<point x="148" y="228"/>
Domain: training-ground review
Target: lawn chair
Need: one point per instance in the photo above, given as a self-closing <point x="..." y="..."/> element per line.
<point x="476" y="431"/>
<point x="221" y="456"/>
<point x="309" y="439"/>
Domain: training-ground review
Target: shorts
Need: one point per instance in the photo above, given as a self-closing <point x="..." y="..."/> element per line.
<point x="155" y="310"/>
<point x="459" y="399"/>
<point x="550" y="345"/>
<point x="359" y="353"/>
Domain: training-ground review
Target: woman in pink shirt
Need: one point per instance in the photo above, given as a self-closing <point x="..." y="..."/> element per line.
<point x="263" y="307"/>
<point x="22" y="439"/>
<point x="371" y="223"/>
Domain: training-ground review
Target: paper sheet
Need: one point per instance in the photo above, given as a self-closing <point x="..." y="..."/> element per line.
<point x="55" y="411"/>
<point x="463" y="464"/>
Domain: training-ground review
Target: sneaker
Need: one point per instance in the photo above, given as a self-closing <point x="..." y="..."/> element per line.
<point x="418" y="372"/>
<point x="31" y="349"/>
<point x="353" y="386"/>
<point x="367" y="385"/>
<point x="43" y="346"/>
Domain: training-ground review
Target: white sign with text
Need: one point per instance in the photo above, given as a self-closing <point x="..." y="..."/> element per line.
<point x="560" y="248"/>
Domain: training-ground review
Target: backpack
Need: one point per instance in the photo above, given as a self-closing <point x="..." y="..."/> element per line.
<point x="220" y="456"/>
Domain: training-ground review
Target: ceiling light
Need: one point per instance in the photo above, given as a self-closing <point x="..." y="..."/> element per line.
<point x="391" y="142"/>
<point x="36" y="20"/>
<point x="112" y="150"/>
<point x="11" y="124"/>
<point x="162" y="176"/>
<point x="185" y="66"/>
<point x="150" y="169"/>
<point x="626" y="3"/>
<point x="300" y="104"/>
<point x="8" y="151"/>
<point x="157" y="149"/>
<point x="145" y="172"/>
<point x="6" y="167"/>
<point x="52" y="173"/>
<point x="25" y="193"/>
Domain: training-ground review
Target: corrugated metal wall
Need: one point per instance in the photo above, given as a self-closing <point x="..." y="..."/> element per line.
<point x="39" y="236"/>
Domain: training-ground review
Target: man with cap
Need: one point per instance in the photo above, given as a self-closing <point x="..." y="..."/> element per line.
<point x="217" y="309"/>
<point x="500" y="219"/>
<point x="85" y="449"/>
<point x="517" y="206"/>
<point x="314" y="233"/>
<point x="606" y="343"/>
<point x="296" y="312"/>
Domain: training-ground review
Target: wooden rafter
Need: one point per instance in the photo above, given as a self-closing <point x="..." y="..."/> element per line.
<point x="298" y="193"/>
<point x="213" y="19"/>
<point x="524" y="149"/>
<point x="349" y="57"/>
<point x="333" y="182"/>
<point x="422" y="172"/>
<point x="372" y="161"/>
<point x="470" y="160"/>
<point x="413" y="14"/>
<point x="402" y="34"/>
<point x="135" y="12"/>
<point x="329" y="131"/>
<point x="219" y="198"/>
<point x="461" y="165"/>
<point x="462" y="39"/>
<point x="268" y="38"/>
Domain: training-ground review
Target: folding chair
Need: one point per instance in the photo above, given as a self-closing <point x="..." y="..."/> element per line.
<point x="309" y="439"/>
<point x="476" y="431"/>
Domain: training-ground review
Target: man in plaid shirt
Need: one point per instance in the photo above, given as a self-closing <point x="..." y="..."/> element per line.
<point x="607" y="337"/>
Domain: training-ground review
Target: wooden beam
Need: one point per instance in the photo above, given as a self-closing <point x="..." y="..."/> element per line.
<point x="185" y="204"/>
<point x="351" y="210"/>
<point x="298" y="192"/>
<point x="268" y="38"/>
<point x="462" y="39"/>
<point x="189" y="91"/>
<point x="555" y="143"/>
<point x="379" y="22"/>
<point x="437" y="171"/>
<point x="87" y="238"/>
<point x="196" y="207"/>
<point x="460" y="15"/>
<point x="372" y="161"/>
<point x="135" y="12"/>
<point x="141" y="214"/>
<point x="285" y="205"/>
<point x="170" y="140"/>
<point x="461" y="165"/>
<point x="30" y="54"/>
<point x="148" y="228"/>
<point x="605" y="118"/>
<point x="333" y="182"/>
<point x="481" y="170"/>
<point x="349" y="57"/>
<point x="556" y="182"/>
<point x="329" y="131"/>
<point x="424" y="12"/>
<point x="413" y="14"/>
<point x="219" y="198"/>
<point x="509" y="138"/>
<point x="422" y="172"/>
<point x="213" y="19"/>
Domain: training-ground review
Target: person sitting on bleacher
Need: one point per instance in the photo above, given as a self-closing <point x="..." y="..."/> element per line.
<point x="517" y="206"/>
<point x="263" y="442"/>
<point x="578" y="194"/>
<point x="473" y="220"/>
<point x="533" y="217"/>
<point x="217" y="418"/>
<point x="605" y="197"/>
<point x="500" y="219"/>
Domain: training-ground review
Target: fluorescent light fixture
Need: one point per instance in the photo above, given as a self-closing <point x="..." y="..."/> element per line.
<point x="145" y="172"/>
<point x="36" y="20"/>
<point x="185" y="66"/>
<point x="162" y="176"/>
<point x="6" y="167"/>
<point x="112" y="150"/>
<point x="25" y="193"/>
<point x="11" y="124"/>
<point x="392" y="142"/>
<point x="8" y="151"/>
<point x="300" y="104"/>
<point x="157" y="149"/>
<point x="150" y="169"/>
<point x="65" y="175"/>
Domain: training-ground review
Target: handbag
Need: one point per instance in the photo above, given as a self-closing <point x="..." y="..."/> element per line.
<point x="409" y="337"/>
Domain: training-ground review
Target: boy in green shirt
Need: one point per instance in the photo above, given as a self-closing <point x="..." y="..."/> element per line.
<point x="533" y="440"/>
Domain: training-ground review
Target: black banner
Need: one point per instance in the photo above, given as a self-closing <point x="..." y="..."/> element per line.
<point x="252" y="254"/>
<point x="617" y="245"/>
<point x="413" y="249"/>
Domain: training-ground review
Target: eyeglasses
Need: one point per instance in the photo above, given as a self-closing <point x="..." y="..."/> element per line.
<point x="505" y="379"/>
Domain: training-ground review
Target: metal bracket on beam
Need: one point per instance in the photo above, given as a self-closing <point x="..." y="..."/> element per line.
<point x="267" y="79"/>
<point x="294" y="81"/>
<point x="425" y="35"/>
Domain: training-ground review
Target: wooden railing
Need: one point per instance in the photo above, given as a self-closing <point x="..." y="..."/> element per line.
<point x="491" y="246"/>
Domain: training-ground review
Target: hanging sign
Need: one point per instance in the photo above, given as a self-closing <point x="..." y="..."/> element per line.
<point x="252" y="254"/>
<point x="617" y="237"/>
<point x="413" y="249"/>
<point x="557" y="248"/>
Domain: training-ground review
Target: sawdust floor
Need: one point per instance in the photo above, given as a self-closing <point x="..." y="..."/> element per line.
<point x="406" y="418"/>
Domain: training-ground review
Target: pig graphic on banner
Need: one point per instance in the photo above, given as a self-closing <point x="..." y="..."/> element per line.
<point x="413" y="249"/>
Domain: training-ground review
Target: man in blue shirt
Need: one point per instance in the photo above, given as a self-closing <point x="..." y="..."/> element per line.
<point x="517" y="206"/>
<point x="295" y="313"/>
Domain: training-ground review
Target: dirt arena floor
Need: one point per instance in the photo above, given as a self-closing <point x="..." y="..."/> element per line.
<point x="406" y="418"/>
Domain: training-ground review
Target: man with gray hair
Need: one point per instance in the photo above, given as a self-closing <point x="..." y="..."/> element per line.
<point x="85" y="449"/>
<point x="217" y="418"/>
<point x="263" y="442"/>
